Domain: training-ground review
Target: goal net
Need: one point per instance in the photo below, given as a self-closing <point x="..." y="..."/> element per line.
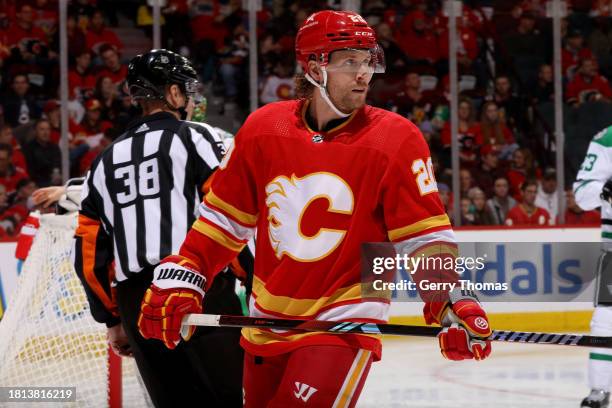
<point x="48" y="337"/>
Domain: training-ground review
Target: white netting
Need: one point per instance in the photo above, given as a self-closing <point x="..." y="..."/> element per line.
<point x="48" y="337"/>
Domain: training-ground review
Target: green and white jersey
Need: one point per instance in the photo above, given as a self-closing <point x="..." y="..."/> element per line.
<point x="595" y="170"/>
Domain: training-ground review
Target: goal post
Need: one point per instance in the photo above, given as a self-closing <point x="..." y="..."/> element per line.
<point x="48" y="337"/>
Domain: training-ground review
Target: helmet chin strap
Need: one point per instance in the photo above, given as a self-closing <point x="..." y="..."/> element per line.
<point x="324" y="94"/>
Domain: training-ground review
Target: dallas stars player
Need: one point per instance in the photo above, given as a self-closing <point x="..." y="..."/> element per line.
<point x="593" y="188"/>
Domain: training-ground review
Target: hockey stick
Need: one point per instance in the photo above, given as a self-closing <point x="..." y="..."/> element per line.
<point x="393" y="329"/>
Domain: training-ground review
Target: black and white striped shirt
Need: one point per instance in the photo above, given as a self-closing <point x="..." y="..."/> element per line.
<point x="146" y="187"/>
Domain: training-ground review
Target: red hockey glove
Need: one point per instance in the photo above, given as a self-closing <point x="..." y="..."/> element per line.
<point x="177" y="289"/>
<point x="466" y="326"/>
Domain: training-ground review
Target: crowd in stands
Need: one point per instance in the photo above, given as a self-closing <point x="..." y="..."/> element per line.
<point x="506" y="141"/>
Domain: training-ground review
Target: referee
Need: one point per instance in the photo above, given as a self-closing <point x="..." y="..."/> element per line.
<point x="139" y="200"/>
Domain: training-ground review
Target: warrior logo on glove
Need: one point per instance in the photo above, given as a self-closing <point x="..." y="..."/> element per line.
<point x="177" y="289"/>
<point x="182" y="275"/>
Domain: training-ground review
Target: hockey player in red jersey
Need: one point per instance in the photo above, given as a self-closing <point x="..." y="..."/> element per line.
<point x="314" y="178"/>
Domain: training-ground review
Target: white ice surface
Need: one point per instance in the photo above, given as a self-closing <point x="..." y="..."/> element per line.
<point x="412" y="373"/>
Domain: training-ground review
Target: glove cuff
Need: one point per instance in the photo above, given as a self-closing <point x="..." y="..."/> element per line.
<point x="457" y="295"/>
<point x="170" y="275"/>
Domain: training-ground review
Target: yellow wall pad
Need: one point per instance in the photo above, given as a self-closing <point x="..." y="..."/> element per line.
<point x="574" y="321"/>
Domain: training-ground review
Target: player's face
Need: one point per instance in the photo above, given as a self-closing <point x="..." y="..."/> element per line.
<point x="349" y="74"/>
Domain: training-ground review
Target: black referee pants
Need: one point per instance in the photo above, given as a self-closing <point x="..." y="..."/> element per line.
<point x="205" y="371"/>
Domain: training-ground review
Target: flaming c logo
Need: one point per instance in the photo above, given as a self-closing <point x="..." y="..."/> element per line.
<point x="288" y="198"/>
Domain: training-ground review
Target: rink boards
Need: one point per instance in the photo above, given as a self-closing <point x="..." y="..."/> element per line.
<point x="528" y="311"/>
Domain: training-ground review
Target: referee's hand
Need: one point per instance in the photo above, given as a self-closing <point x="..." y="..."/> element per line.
<point x="177" y="289"/>
<point x="118" y="341"/>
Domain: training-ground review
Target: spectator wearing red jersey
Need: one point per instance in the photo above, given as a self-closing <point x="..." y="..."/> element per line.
<point x="587" y="85"/>
<point x="573" y="52"/>
<point x="92" y="126"/>
<point x="88" y="158"/>
<point x="207" y="22"/>
<point x="81" y="80"/>
<point x="417" y="38"/>
<point x="46" y="17"/>
<point x="492" y="130"/>
<point x="468" y="144"/>
<point x="98" y="35"/>
<point x="575" y="215"/>
<point x="6" y="137"/>
<point x="53" y="115"/>
<point x="467" y="46"/>
<point x="9" y="174"/>
<point x="521" y="168"/>
<point x="23" y="31"/>
<point x="112" y="66"/>
<point x="601" y="8"/>
<point x="410" y="97"/>
<point x="537" y="8"/>
<point x="470" y="17"/>
<point x="527" y="213"/>
<point x="20" y="204"/>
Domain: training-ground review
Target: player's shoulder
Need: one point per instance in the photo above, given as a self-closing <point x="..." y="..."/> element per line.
<point x="273" y="112"/>
<point x="274" y="108"/>
<point x="270" y="118"/>
<point x="393" y="130"/>
<point x="604" y="137"/>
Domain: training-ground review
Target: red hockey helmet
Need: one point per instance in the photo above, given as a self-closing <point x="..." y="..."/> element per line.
<point x="327" y="31"/>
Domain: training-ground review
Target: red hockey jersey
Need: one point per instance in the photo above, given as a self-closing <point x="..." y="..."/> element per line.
<point x="313" y="198"/>
<point x="519" y="216"/>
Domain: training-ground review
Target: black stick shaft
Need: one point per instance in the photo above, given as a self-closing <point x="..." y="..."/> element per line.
<point x="392" y="329"/>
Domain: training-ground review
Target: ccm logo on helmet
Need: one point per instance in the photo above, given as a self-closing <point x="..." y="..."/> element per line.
<point x="363" y="33"/>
